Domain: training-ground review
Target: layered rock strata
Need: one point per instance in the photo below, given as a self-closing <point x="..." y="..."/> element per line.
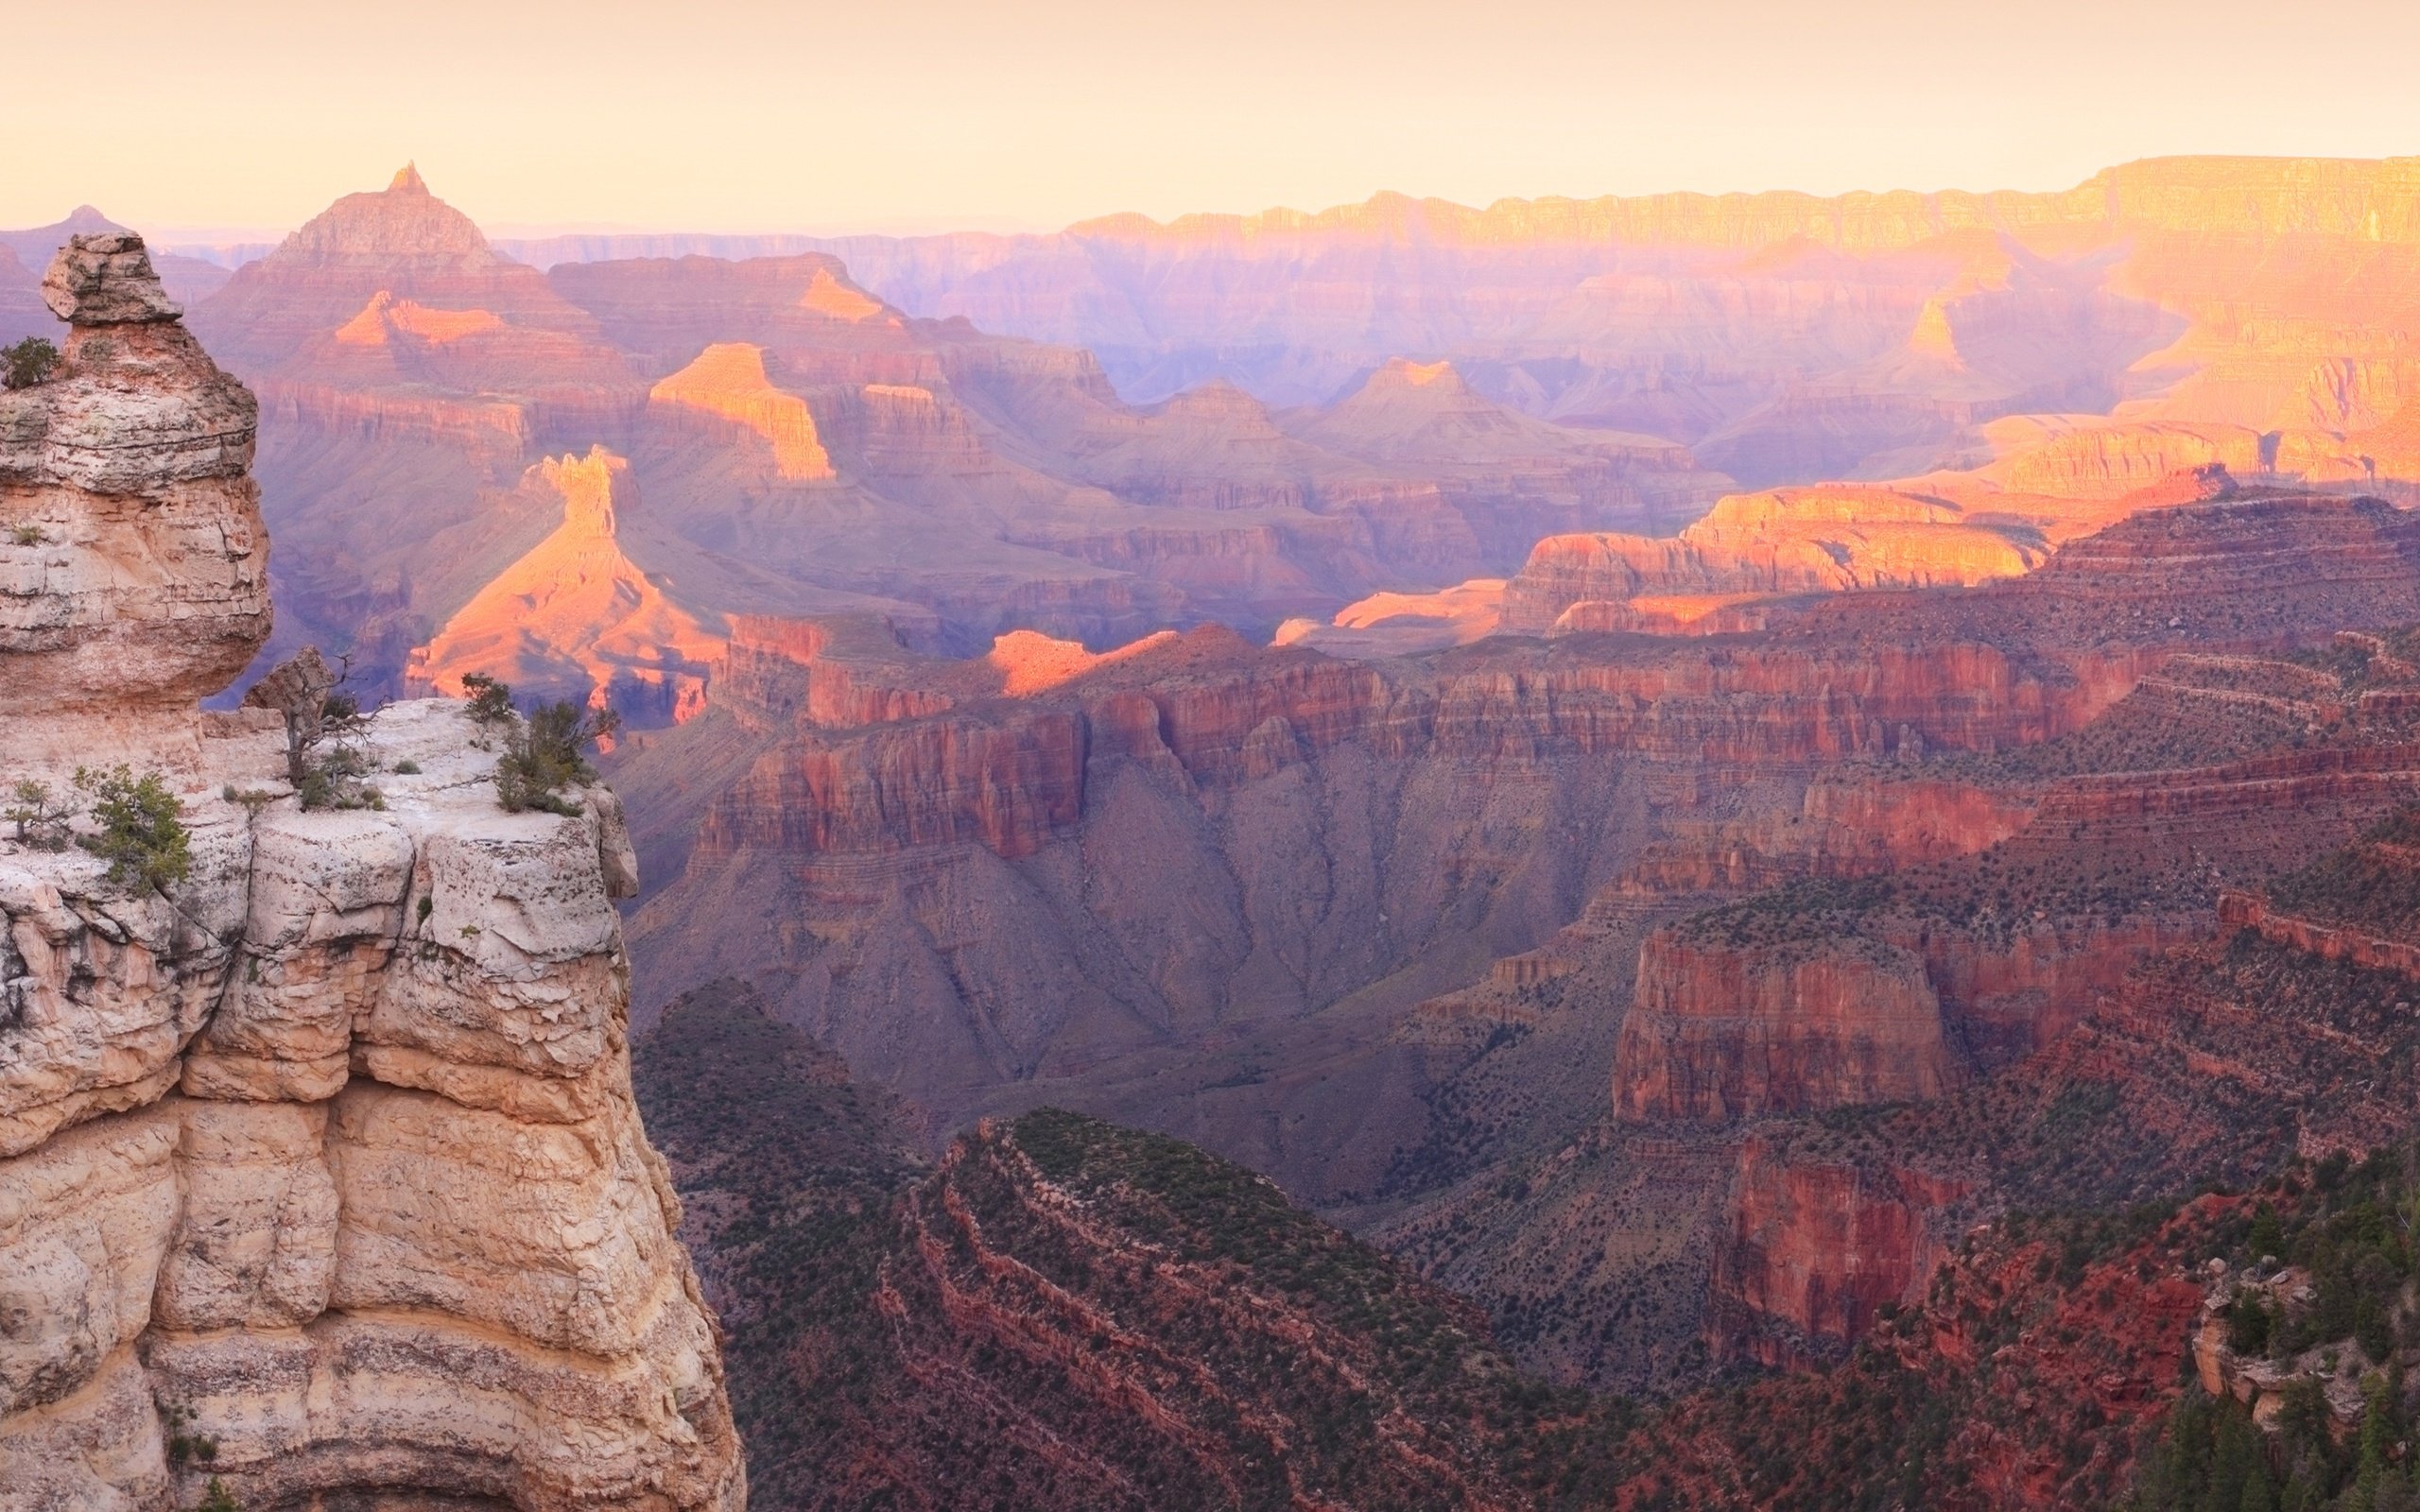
<point x="320" y="1172"/>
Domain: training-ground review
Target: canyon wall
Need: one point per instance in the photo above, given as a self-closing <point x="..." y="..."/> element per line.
<point x="320" y="1171"/>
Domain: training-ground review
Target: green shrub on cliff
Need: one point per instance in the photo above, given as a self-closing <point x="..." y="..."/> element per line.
<point x="542" y="756"/>
<point x="40" y="821"/>
<point x="143" y="832"/>
<point x="27" y="363"/>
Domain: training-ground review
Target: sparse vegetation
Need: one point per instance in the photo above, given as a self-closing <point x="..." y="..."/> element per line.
<point x="325" y="726"/>
<point x="332" y="763"/>
<point x="39" y="819"/>
<point x="406" y="768"/>
<point x="218" y="1499"/>
<point x="143" y="834"/>
<point x="2373" y="884"/>
<point x="488" y="702"/>
<point x="26" y="533"/>
<point x="27" y="363"/>
<point x="542" y="755"/>
<point x="186" y="1446"/>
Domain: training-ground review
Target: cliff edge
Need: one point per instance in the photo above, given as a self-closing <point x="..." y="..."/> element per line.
<point x="320" y="1171"/>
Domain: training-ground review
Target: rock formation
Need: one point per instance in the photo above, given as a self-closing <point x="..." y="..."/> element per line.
<point x="575" y="618"/>
<point x="727" y="382"/>
<point x="1752" y="546"/>
<point x="136" y="562"/>
<point x="319" y="1173"/>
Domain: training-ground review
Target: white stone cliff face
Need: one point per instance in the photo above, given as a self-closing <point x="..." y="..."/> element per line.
<point x="320" y="1175"/>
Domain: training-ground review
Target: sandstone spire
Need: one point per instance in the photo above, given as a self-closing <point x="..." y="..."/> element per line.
<point x="407" y="180"/>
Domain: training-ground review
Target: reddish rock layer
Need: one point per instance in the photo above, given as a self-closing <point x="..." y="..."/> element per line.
<point x="1717" y="1035"/>
<point x="1817" y="1252"/>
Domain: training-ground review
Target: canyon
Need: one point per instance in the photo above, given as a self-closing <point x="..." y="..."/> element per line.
<point x="1045" y="1279"/>
<point x="781" y="431"/>
<point x="321" y="1182"/>
<point x="1051" y="876"/>
<point x="1648" y="784"/>
<point x="1044" y="416"/>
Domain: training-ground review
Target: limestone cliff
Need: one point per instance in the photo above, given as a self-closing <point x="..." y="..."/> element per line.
<point x="320" y="1172"/>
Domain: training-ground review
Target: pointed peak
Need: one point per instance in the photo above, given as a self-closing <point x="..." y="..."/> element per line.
<point x="407" y="180"/>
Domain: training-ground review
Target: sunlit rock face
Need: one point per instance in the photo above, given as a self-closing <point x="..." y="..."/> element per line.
<point x="407" y="376"/>
<point x="319" y="1173"/>
<point x="728" y="383"/>
<point x="1751" y="546"/>
<point x="575" y="618"/>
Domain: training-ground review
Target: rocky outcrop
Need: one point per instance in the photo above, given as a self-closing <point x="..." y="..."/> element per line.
<point x="1719" y="1035"/>
<point x="1818" y="1251"/>
<point x="2105" y="462"/>
<point x="133" y="569"/>
<point x="320" y="1172"/>
<point x="2336" y="942"/>
<point x="1823" y="996"/>
<point x="727" y="382"/>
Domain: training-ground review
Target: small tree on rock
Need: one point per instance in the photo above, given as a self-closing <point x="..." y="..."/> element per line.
<point x="489" y="704"/>
<point x="143" y="834"/>
<point x="41" y="819"/>
<point x="544" y="755"/>
<point x="27" y="363"/>
<point x="324" y="729"/>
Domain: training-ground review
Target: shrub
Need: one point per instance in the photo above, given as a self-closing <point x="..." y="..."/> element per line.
<point x="406" y="768"/>
<point x="28" y="362"/>
<point x="218" y="1499"/>
<point x="185" y="1443"/>
<point x="2248" y="1324"/>
<point x="490" y="703"/>
<point x="40" y="821"/>
<point x="143" y="831"/>
<point x="26" y="533"/>
<point x="542" y="756"/>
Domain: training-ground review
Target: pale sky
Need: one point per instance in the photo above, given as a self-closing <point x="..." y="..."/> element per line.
<point x="894" y="114"/>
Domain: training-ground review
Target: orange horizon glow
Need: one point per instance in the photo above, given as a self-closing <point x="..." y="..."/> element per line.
<point x="738" y="115"/>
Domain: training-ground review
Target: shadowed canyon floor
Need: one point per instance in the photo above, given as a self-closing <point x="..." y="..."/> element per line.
<point x="1062" y="1312"/>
